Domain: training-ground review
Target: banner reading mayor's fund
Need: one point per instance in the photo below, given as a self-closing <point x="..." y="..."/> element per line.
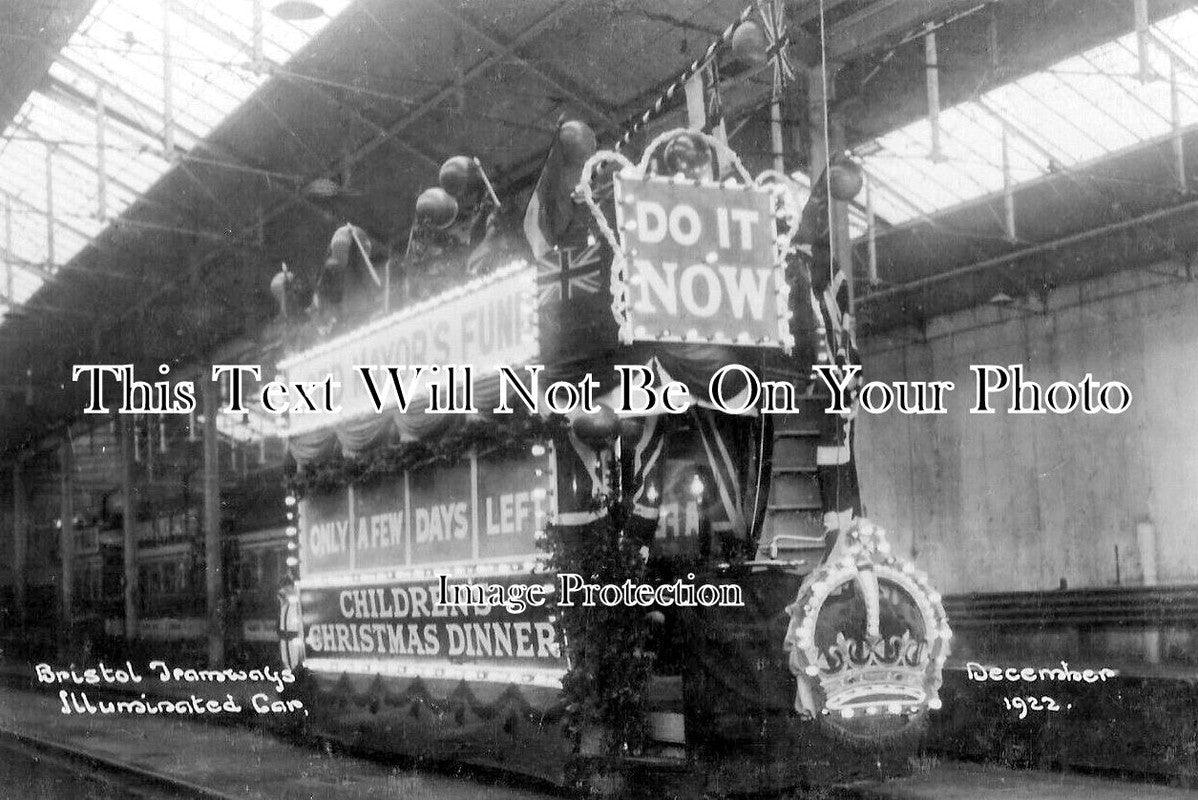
<point x="700" y="262"/>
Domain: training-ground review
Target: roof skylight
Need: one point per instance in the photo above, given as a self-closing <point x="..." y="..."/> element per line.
<point x="137" y="80"/>
<point x="1080" y="109"/>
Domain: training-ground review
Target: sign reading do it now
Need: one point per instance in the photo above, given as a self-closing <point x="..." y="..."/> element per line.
<point x="701" y="263"/>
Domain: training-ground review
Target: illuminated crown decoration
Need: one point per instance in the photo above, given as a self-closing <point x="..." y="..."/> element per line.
<point x="784" y="204"/>
<point x="845" y="669"/>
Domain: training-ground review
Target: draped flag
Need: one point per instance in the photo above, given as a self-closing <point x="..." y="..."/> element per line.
<point x="553" y="219"/>
<point x="579" y="488"/>
<point x="581" y="470"/>
<point x="645" y="484"/>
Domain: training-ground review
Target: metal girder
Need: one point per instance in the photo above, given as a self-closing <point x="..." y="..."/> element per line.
<point x="15" y="307"/>
<point x="297" y="79"/>
<point x="140" y="103"/>
<point x="811" y="10"/>
<point x="83" y="162"/>
<point x="234" y="162"/>
<point x="40" y="269"/>
<point x="861" y="32"/>
<point x="29" y="266"/>
<point x="293" y="77"/>
<point x="32" y="207"/>
<point x="124" y="222"/>
<point x="252" y="50"/>
<point x="550" y="76"/>
<point x="1025" y="252"/>
<point x="383" y="137"/>
<point x="436" y="98"/>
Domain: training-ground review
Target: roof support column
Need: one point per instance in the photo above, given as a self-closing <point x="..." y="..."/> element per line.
<point x="1008" y="187"/>
<point x="66" y="539"/>
<point x="213" y="568"/>
<point x="50" y="259"/>
<point x="1179" y="151"/>
<point x="259" y="61"/>
<point x="20" y="538"/>
<point x="933" y="87"/>
<point x="1143" y="40"/>
<point x="871" y="231"/>
<point x="8" y="265"/>
<point x="129" y="525"/>
<point x="776" y="146"/>
<point x="101" y="155"/>
<point x="168" y="81"/>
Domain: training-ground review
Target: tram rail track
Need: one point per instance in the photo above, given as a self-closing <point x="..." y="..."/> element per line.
<point x="142" y="782"/>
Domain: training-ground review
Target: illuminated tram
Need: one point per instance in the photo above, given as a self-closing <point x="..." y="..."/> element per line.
<point x="673" y="268"/>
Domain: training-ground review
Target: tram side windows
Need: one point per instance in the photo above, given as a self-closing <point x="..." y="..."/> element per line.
<point x="143" y="581"/>
<point x="155" y="585"/>
<point x="245" y="573"/>
<point x="270" y="571"/>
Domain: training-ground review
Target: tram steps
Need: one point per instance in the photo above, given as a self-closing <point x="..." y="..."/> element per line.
<point x="793" y="507"/>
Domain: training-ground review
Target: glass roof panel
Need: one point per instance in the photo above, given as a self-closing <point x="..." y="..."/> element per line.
<point x="1082" y="108"/>
<point x="121" y="48"/>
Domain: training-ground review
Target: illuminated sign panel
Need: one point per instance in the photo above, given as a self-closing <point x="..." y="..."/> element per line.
<point x="403" y="628"/>
<point x="441" y="504"/>
<point x="325" y="536"/>
<point x="513" y="507"/>
<point x="484" y="324"/>
<point x="380" y="523"/>
<point x="700" y="263"/>
<point x="486" y="509"/>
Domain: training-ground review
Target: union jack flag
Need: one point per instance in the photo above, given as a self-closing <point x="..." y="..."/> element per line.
<point x="564" y="271"/>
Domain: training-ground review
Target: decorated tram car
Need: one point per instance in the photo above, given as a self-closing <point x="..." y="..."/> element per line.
<point x="789" y="644"/>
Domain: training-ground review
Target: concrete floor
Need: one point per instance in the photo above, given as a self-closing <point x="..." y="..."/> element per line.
<point x="954" y="781"/>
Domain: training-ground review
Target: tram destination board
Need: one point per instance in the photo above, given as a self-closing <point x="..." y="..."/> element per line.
<point x="404" y="628"/>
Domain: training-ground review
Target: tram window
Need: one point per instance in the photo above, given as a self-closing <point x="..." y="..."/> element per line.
<point x="245" y="572"/>
<point x="270" y="571"/>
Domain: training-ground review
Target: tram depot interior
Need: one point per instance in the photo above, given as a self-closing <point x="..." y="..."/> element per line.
<point x="1030" y="170"/>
